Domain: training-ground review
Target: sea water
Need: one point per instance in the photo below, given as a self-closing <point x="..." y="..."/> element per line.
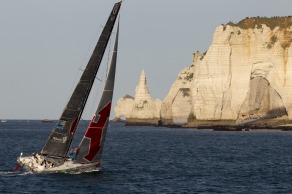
<point x="156" y="160"/>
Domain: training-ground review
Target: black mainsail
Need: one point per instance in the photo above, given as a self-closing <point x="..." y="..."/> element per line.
<point x="61" y="137"/>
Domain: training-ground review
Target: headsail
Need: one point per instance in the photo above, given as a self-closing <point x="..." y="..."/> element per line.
<point x="61" y="137"/>
<point x="91" y="146"/>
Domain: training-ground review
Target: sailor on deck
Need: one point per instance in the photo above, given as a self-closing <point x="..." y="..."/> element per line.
<point x="73" y="152"/>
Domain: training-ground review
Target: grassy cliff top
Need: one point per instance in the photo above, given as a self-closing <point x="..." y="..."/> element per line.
<point x="257" y="22"/>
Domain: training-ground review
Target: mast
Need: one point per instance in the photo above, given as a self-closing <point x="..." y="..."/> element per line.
<point x="91" y="146"/>
<point x="62" y="135"/>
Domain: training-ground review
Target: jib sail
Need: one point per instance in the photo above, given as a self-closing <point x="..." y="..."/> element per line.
<point x="91" y="146"/>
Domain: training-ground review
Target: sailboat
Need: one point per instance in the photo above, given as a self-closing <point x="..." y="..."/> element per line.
<point x="55" y="155"/>
<point x="3" y="121"/>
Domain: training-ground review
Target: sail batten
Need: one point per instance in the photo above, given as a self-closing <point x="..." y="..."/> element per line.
<point x="62" y="135"/>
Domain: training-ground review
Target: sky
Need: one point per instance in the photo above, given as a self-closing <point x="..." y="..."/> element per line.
<point x="44" y="45"/>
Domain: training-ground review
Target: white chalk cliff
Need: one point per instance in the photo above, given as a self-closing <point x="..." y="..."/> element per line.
<point x="245" y="73"/>
<point x="140" y="107"/>
<point x="179" y="102"/>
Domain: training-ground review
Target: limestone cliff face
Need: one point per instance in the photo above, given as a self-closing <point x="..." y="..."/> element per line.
<point x="245" y="73"/>
<point x="177" y="106"/>
<point x="140" y="107"/>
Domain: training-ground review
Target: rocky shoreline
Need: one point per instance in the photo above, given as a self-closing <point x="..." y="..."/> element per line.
<point x="227" y="125"/>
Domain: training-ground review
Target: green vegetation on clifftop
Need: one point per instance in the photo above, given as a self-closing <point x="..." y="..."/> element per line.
<point x="257" y="22"/>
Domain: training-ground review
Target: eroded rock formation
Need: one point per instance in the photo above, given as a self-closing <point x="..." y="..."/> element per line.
<point x="142" y="107"/>
<point x="245" y="73"/>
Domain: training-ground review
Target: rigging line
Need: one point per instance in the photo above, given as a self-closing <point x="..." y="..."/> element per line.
<point x="94" y="100"/>
<point x="88" y="53"/>
<point x="103" y="77"/>
<point x="104" y="73"/>
<point x="98" y="79"/>
<point x="109" y="52"/>
<point x="108" y="56"/>
<point x="84" y="58"/>
<point x="95" y="76"/>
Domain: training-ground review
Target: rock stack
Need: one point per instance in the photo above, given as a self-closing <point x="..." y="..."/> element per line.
<point x="141" y="108"/>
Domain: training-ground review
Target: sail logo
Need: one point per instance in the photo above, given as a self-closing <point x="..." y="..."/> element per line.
<point x="116" y="8"/>
<point x="61" y="125"/>
<point x="115" y="11"/>
<point x="61" y="140"/>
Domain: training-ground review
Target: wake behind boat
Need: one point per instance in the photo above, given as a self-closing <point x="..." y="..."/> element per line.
<point x="55" y="155"/>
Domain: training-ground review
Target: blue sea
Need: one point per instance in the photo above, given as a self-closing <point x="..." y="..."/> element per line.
<point x="156" y="160"/>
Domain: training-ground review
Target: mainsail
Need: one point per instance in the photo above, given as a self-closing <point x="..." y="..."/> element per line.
<point x="62" y="135"/>
<point x="91" y="146"/>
